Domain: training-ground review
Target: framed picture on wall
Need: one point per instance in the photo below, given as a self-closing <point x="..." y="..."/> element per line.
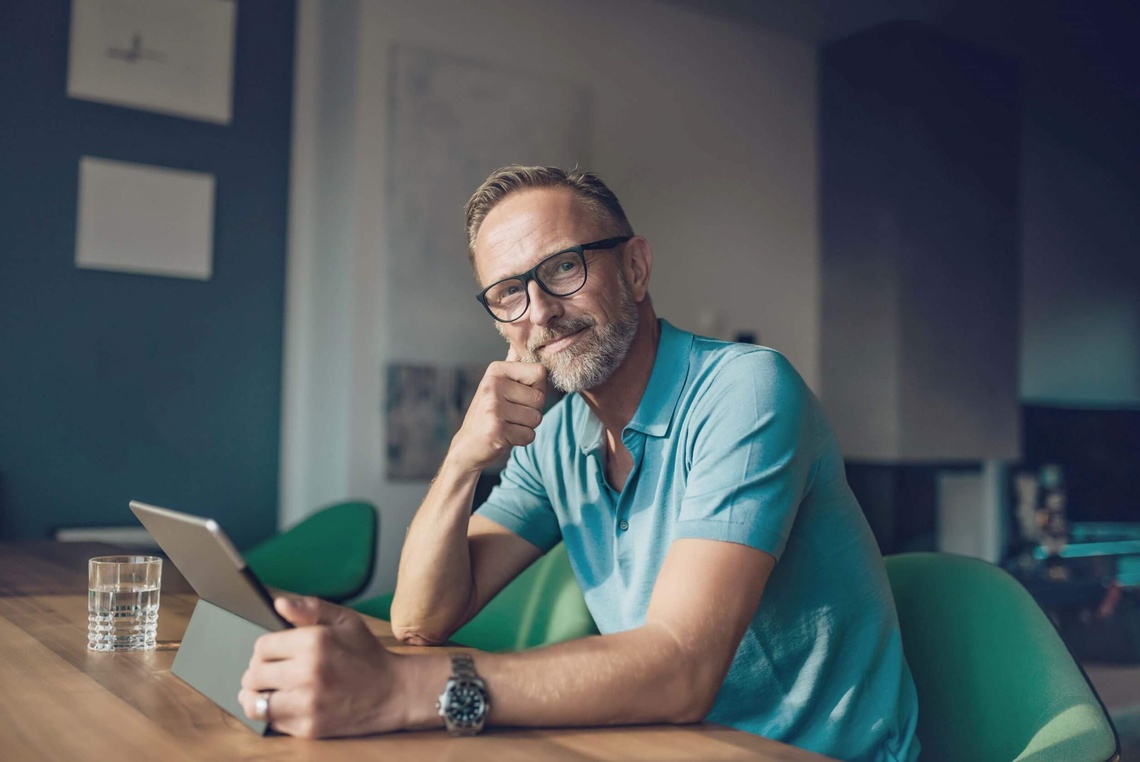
<point x="169" y="56"/>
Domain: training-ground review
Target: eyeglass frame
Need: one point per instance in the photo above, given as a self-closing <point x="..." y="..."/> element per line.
<point x="532" y="274"/>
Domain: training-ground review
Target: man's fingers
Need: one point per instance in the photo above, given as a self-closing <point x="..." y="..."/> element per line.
<point x="518" y="436"/>
<point x="247" y="697"/>
<point x="304" y="611"/>
<point x="521" y="394"/>
<point x="529" y="373"/>
<point x="538" y="379"/>
<point x="270" y="675"/>
<point x="283" y="645"/>
<point x="248" y="700"/>
<point x="289" y="711"/>
<point x="301" y="611"/>
<point x="523" y="415"/>
<point x="512" y="355"/>
<point x="299" y="641"/>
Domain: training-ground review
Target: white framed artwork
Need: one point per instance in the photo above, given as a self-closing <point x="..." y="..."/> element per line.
<point x="169" y="56"/>
<point x="143" y="219"/>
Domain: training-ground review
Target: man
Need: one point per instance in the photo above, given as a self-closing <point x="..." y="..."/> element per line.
<point x="698" y="489"/>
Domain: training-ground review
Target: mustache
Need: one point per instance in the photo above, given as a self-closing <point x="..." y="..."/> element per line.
<point x="558" y="330"/>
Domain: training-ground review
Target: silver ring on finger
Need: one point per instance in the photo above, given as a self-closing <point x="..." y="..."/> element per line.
<point x="261" y="707"/>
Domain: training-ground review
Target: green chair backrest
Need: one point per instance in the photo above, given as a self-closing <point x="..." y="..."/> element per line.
<point x="329" y="554"/>
<point x="994" y="679"/>
<point x="541" y="606"/>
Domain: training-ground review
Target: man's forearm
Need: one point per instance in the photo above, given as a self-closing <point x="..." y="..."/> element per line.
<point x="635" y="677"/>
<point x="434" y="589"/>
<point x="668" y="670"/>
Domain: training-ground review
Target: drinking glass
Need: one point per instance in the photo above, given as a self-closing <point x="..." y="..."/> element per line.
<point x="122" y="602"/>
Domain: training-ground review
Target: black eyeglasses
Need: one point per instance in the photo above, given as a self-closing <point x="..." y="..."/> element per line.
<point x="561" y="274"/>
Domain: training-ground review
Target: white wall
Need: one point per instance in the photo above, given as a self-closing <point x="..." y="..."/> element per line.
<point x="706" y="130"/>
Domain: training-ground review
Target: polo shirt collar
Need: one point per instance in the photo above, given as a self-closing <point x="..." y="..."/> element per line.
<point x="658" y="403"/>
<point x="670" y="371"/>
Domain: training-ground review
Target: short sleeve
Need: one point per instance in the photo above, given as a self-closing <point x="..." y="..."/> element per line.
<point x="752" y="451"/>
<point x="520" y="502"/>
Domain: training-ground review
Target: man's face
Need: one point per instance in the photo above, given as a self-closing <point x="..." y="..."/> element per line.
<point x="581" y="339"/>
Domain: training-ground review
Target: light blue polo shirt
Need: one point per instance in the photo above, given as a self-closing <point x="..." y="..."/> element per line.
<point x="729" y="444"/>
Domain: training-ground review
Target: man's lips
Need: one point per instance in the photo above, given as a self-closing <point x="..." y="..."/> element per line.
<point x="561" y="342"/>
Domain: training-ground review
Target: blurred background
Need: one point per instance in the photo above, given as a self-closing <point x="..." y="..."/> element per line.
<point x="930" y="207"/>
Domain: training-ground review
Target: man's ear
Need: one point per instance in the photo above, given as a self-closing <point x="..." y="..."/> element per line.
<point x="637" y="265"/>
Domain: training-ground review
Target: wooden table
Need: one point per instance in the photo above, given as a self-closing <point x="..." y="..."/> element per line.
<point x="60" y="701"/>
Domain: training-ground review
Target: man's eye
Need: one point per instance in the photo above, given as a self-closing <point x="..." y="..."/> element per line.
<point x="565" y="267"/>
<point x="504" y="293"/>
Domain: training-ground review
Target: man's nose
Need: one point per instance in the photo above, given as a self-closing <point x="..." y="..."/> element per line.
<point x="543" y="307"/>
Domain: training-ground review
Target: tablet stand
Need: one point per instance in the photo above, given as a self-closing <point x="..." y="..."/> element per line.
<point x="214" y="654"/>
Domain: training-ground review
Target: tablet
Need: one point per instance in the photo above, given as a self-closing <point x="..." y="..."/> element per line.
<point x="210" y="563"/>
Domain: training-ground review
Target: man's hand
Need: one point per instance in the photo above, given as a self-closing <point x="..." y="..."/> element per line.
<point x="330" y="676"/>
<point x="504" y="413"/>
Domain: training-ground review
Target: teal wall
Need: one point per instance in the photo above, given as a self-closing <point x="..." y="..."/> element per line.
<point x="114" y="386"/>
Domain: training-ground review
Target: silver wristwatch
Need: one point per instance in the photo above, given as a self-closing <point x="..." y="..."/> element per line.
<point x="463" y="705"/>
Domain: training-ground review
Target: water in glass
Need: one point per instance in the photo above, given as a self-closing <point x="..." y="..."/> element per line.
<point x="122" y="603"/>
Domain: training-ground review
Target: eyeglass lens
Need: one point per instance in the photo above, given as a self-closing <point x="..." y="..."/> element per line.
<point x="559" y="275"/>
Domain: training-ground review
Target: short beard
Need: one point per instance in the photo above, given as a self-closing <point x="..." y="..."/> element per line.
<point x="592" y="360"/>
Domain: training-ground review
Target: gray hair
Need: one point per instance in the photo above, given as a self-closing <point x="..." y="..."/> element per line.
<point x="586" y="186"/>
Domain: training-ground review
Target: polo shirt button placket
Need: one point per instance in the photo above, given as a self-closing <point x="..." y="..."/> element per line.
<point x="623" y="525"/>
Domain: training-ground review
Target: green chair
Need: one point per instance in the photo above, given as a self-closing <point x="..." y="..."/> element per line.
<point x="995" y="681"/>
<point x="541" y="606"/>
<point x="329" y="554"/>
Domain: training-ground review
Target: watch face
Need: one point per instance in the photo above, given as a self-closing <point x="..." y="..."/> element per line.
<point x="466" y="704"/>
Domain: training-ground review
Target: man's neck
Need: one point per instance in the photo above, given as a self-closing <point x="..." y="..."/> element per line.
<point x="615" y="401"/>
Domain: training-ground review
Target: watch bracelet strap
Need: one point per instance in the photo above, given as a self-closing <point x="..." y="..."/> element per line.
<point x="463" y="667"/>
